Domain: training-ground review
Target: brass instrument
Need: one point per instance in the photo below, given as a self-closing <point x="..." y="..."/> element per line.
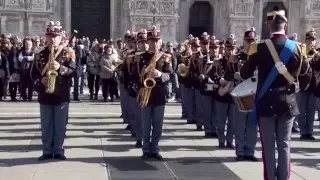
<point x="183" y="69"/>
<point x="148" y="82"/>
<point x="51" y="74"/>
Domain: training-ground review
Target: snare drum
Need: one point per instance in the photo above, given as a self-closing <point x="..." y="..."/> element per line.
<point x="244" y="94"/>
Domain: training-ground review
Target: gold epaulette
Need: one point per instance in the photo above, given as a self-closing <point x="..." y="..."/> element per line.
<point x="253" y="48"/>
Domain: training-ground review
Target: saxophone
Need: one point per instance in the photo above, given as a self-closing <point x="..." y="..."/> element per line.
<point x="51" y="74"/>
<point x="148" y="83"/>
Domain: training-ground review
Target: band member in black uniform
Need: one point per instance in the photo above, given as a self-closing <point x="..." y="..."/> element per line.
<point x="305" y="98"/>
<point x="52" y="71"/>
<point x="223" y="103"/>
<point x="127" y="76"/>
<point x="120" y="72"/>
<point x="186" y="72"/>
<point x="209" y="83"/>
<point x="155" y="69"/>
<point x="133" y="82"/>
<point x="245" y="132"/>
<point x="194" y="80"/>
<point x="276" y="104"/>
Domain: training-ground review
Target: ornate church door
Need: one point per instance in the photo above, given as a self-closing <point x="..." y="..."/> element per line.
<point x="91" y="18"/>
<point x="265" y="33"/>
<point x="201" y="18"/>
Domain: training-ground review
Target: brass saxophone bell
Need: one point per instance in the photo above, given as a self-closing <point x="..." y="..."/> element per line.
<point x="149" y="83"/>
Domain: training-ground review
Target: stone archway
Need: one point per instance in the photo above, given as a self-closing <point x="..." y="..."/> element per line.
<point x="268" y="6"/>
<point x="91" y="18"/>
<point x="201" y="18"/>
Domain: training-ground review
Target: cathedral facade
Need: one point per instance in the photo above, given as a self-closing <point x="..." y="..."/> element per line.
<point x="175" y="18"/>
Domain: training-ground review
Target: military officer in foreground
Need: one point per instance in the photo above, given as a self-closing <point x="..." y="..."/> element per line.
<point x="52" y="72"/>
<point x="276" y="104"/>
<point x="155" y="69"/>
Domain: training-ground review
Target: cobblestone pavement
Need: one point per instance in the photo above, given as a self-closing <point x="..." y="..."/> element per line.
<point x="98" y="148"/>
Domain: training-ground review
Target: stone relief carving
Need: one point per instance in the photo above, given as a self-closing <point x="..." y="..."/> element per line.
<point x="167" y="7"/>
<point x="12" y="25"/>
<point x="38" y="26"/>
<point x="12" y="3"/>
<point x="241" y="7"/>
<point x="38" y="4"/>
<point x="152" y="7"/>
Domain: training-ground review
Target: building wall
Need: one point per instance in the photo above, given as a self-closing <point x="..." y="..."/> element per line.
<point x="29" y="17"/>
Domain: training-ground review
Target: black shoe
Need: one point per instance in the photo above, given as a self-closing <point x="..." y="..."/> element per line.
<point x="128" y="127"/>
<point x="251" y="158"/>
<point x="45" y="157"/>
<point x="96" y="97"/>
<point x="91" y="97"/>
<point x="240" y="158"/>
<point x="105" y="99"/>
<point x="310" y="137"/>
<point x="184" y="117"/>
<point x="199" y="128"/>
<point x="76" y="99"/>
<point x="138" y="144"/>
<point x="221" y="145"/>
<point x="214" y="135"/>
<point x="230" y="146"/>
<point x="145" y="156"/>
<point x="157" y="156"/>
<point x="207" y="135"/>
<point x="60" y="157"/>
<point x="304" y="137"/>
<point x="295" y="130"/>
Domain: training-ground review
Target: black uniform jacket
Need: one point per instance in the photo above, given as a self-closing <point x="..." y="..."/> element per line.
<point x="315" y="83"/>
<point x="210" y="67"/>
<point x="157" y="96"/>
<point x="63" y="80"/>
<point x="233" y="67"/>
<point x="280" y="98"/>
<point x="194" y="71"/>
<point x="223" y="68"/>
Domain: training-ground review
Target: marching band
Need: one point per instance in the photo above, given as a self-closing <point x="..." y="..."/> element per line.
<point x="226" y="92"/>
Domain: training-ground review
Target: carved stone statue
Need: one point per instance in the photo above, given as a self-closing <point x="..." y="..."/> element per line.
<point x="28" y="4"/>
<point x="1" y="2"/>
<point x="49" y="4"/>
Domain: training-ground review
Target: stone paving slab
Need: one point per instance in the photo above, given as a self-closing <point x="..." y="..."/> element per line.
<point x="97" y="148"/>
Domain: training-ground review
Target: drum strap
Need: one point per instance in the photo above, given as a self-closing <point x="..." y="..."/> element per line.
<point x="278" y="63"/>
<point x="285" y="55"/>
